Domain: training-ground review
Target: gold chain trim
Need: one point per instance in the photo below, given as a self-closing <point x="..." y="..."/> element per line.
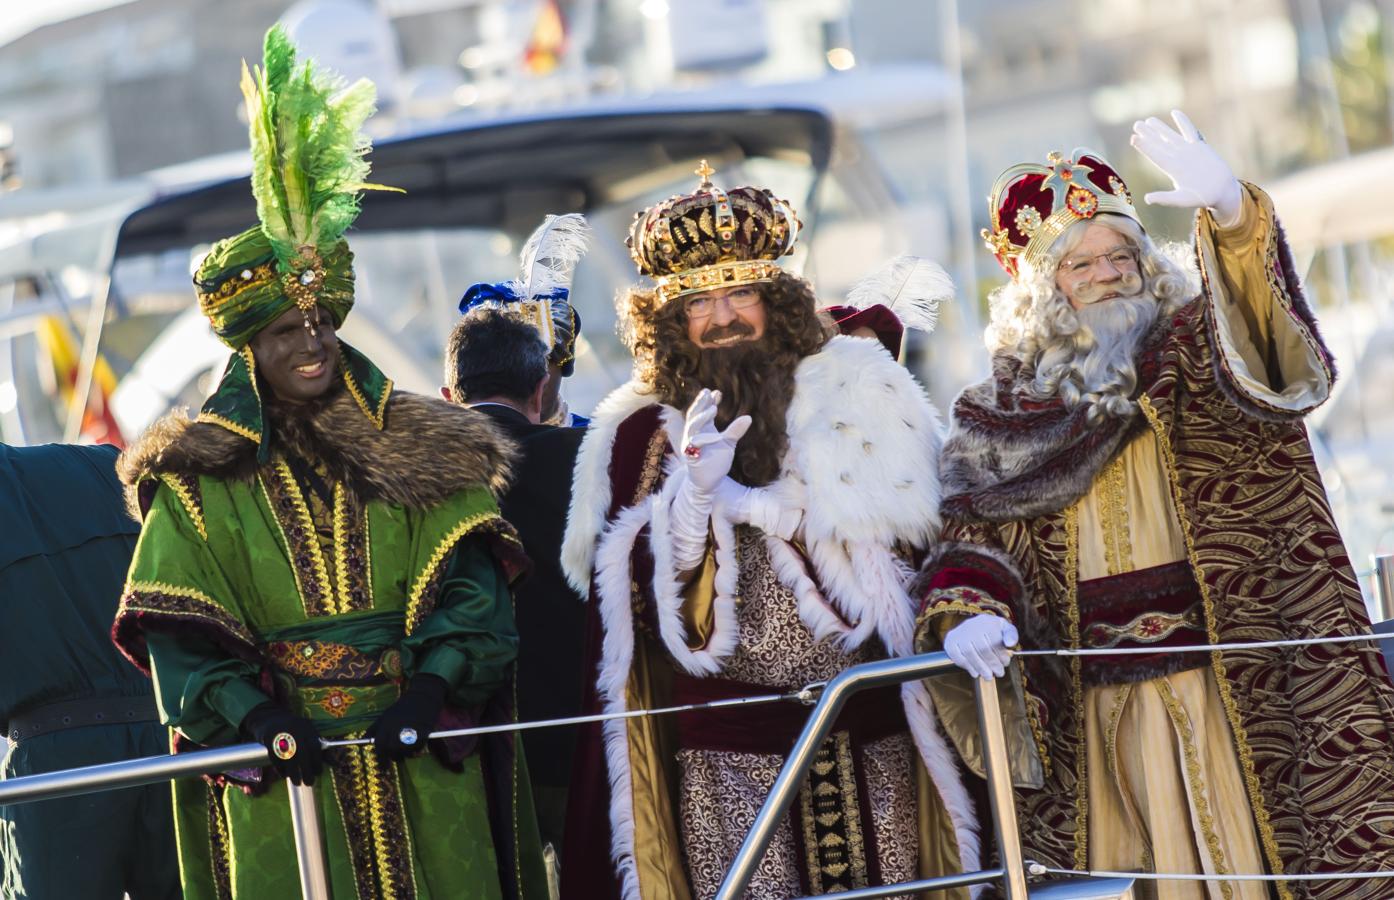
<point x="1120" y="698"/>
<point x="1241" y="739"/>
<point x="215" y="419"/>
<point x="186" y="498"/>
<point x="428" y="572"/>
<point x="1076" y="686"/>
<point x="1113" y="515"/>
<point x="1182" y="723"/>
<point x="376" y="415"/>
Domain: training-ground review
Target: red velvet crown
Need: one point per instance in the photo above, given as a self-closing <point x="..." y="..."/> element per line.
<point x="1031" y="205"/>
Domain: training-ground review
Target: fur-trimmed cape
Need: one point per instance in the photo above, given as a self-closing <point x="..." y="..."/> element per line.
<point x="863" y="439"/>
<point x="428" y="450"/>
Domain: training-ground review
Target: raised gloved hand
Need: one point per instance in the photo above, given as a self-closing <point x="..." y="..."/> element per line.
<point x="707" y="455"/>
<point x="294" y="742"/>
<point x="1198" y="175"/>
<point x="979" y="645"/>
<point x="706" y="452"/>
<point x="758" y="507"/>
<point x="401" y="729"/>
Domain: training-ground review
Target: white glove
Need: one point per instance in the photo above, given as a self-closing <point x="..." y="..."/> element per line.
<point x="707" y="455"/>
<point x="979" y="645"/>
<point x="758" y="507"/>
<point x="1198" y="175"/>
<point x="706" y="452"/>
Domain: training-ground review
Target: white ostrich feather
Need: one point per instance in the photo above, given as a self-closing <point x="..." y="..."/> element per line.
<point x="910" y="287"/>
<point x="551" y="253"/>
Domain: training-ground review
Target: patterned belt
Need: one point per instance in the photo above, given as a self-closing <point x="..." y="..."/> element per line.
<point x="1155" y="607"/>
<point x="337" y="680"/>
<point x="81" y="713"/>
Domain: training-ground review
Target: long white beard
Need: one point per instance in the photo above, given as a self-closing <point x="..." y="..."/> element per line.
<point x="1097" y="364"/>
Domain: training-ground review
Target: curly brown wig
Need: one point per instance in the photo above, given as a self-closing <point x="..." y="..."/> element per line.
<point x="755" y="378"/>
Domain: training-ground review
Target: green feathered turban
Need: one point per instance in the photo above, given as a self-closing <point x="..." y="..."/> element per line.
<point x="309" y="162"/>
<point x="242" y="290"/>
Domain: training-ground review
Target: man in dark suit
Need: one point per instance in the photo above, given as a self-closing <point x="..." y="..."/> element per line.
<point x="498" y="365"/>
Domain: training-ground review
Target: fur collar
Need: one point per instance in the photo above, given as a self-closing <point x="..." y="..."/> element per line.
<point x="863" y="441"/>
<point x="428" y="450"/>
<point x="1009" y="456"/>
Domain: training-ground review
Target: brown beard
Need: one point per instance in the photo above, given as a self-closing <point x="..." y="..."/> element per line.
<point x="755" y="377"/>
<point x="753" y="381"/>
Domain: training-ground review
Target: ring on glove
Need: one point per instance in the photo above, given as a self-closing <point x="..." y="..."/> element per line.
<point x="407" y="736"/>
<point x="283" y="745"/>
<point x="692" y="451"/>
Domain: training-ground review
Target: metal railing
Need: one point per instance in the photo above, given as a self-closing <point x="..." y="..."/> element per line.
<point x="1011" y="874"/>
<point x="309" y="833"/>
<point x="304" y="810"/>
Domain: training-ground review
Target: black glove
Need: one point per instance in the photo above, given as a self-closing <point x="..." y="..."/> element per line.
<point x="281" y="731"/>
<point x="416" y="710"/>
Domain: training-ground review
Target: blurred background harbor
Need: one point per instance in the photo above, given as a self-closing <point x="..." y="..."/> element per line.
<point x="122" y="156"/>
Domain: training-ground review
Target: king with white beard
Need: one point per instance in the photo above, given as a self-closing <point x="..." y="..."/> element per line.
<point x="1135" y="475"/>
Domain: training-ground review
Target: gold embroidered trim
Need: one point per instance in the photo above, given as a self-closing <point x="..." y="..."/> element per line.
<point x="1113" y="517"/>
<point x="1120" y="699"/>
<point x="215" y="419"/>
<point x="1147" y="628"/>
<point x="319" y="571"/>
<point x="186" y="499"/>
<point x="653" y="463"/>
<point x="428" y="572"/>
<point x="341" y="548"/>
<point x="378" y="415"/>
<point x="1076" y="686"/>
<point x="1182" y="723"/>
<point x="856" y="840"/>
<point x="219" y="856"/>
<point x="1033" y="719"/>
<point x="965" y="600"/>
<point x="379" y="815"/>
<point x="1241" y="739"/>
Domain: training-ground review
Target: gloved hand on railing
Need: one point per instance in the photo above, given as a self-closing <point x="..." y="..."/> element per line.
<point x="980" y="644"/>
<point x="294" y="742"/>
<point x="707" y="455"/>
<point x="401" y="730"/>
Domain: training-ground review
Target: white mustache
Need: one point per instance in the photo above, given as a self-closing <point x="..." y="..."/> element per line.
<point x="1129" y="284"/>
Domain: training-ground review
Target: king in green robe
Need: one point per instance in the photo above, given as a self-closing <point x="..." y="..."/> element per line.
<point x="323" y="557"/>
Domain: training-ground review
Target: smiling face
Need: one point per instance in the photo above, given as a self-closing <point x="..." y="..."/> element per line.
<point x="1102" y="266"/>
<point x="297" y="363"/>
<point x="725" y="316"/>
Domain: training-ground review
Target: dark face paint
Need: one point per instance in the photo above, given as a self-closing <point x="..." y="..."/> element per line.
<point x="298" y="363"/>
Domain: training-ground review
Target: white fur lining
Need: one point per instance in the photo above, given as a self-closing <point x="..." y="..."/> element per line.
<point x="590" y="491"/>
<point x="863" y="446"/>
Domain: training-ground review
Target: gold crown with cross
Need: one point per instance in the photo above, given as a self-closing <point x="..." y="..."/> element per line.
<point x="712" y="238"/>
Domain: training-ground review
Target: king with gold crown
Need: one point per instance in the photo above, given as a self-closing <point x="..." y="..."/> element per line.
<point x="745" y="516"/>
<point x="1135" y="478"/>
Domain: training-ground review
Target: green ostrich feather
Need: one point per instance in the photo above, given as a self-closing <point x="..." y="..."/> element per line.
<point x="308" y="150"/>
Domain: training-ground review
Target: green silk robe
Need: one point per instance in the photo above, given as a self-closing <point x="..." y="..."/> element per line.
<point x="249" y="588"/>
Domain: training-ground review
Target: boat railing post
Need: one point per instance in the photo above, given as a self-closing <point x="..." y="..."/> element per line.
<point x="310" y="849"/>
<point x="999" y="788"/>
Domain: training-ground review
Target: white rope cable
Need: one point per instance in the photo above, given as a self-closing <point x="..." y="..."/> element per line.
<point x="1037" y="869"/>
<point x="806" y="695"/>
<point x="809" y="693"/>
<point x="1204" y="648"/>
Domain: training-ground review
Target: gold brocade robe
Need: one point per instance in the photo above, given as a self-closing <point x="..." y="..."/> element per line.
<point x="1237" y="765"/>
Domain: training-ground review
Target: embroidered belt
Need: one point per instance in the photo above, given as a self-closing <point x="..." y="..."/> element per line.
<point x="53" y="717"/>
<point x="326" y="661"/>
<point x="335" y="681"/>
<point x="1155" y="607"/>
<point x="773" y="727"/>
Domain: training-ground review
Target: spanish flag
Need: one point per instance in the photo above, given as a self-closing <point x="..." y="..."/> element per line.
<point x="58" y="342"/>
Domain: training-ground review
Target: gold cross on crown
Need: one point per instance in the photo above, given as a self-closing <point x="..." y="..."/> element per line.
<point x="704" y="172"/>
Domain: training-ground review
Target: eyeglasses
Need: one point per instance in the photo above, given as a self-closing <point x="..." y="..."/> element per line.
<point x="703" y="305"/>
<point x="1123" y="259"/>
